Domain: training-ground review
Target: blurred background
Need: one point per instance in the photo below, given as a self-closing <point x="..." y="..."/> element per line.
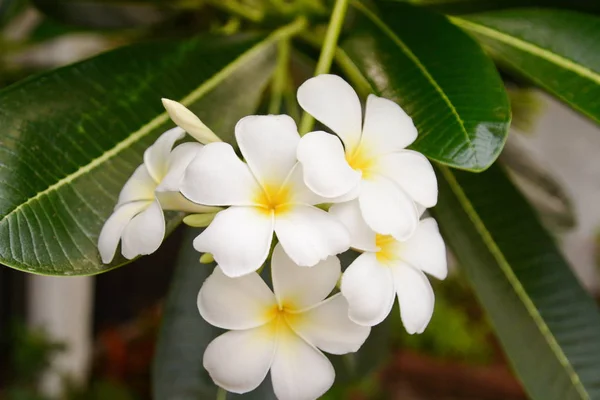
<point x="94" y="337"/>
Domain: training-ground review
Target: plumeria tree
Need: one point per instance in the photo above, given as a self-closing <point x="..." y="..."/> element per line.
<point x="325" y="156"/>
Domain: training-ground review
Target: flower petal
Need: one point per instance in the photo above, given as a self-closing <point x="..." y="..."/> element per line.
<point x="328" y="327"/>
<point x="189" y="122"/>
<point x="110" y="236"/>
<point x="236" y="303"/>
<point x="368" y="287"/>
<point x="268" y="143"/>
<point x="415" y="296"/>
<point x="238" y="361"/>
<point x="140" y="186"/>
<point x="298" y="191"/>
<point x="217" y="177"/>
<point x="156" y="157"/>
<point x="239" y="239"/>
<point x="300" y="287"/>
<point x="144" y="233"/>
<point x="179" y="159"/>
<point x="331" y="100"/>
<point x="309" y="235"/>
<point x="362" y="237"/>
<point x="326" y="171"/>
<point x="425" y="250"/>
<point x="175" y="201"/>
<point x="387" y="127"/>
<point x="414" y="173"/>
<point x="387" y="209"/>
<point x="299" y="371"/>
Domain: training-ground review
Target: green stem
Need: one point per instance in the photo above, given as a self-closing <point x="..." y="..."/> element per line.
<point x="221" y="394"/>
<point x="254" y="14"/>
<point x="280" y="77"/>
<point x="327" y="53"/>
<point x="350" y="70"/>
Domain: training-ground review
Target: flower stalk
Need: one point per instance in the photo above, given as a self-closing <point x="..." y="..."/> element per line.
<point x="327" y="53"/>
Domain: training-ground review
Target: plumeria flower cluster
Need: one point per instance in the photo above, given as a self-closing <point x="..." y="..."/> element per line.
<point x="298" y="201"/>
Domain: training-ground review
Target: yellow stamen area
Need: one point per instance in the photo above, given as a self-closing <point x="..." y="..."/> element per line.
<point x="272" y="198"/>
<point x="282" y="318"/>
<point x="388" y="249"/>
<point x="362" y="160"/>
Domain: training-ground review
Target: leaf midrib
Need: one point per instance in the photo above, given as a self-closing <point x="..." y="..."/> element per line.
<point x="406" y="50"/>
<point x="529" y="47"/>
<point x="514" y="282"/>
<point x="158" y="120"/>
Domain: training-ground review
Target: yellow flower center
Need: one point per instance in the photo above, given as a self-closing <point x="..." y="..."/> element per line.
<point x="389" y="249"/>
<point x="272" y="198"/>
<point x="282" y="318"/>
<point x="362" y="160"/>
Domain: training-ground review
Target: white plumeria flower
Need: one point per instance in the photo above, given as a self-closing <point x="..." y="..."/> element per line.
<point x="138" y="220"/>
<point x="280" y="332"/>
<point x="267" y="194"/>
<point x="372" y="164"/>
<point x="389" y="268"/>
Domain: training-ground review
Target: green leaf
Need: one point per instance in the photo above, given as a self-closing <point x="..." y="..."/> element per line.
<point x="556" y="50"/>
<point x="546" y="322"/>
<point x="442" y="79"/>
<point x="70" y="138"/>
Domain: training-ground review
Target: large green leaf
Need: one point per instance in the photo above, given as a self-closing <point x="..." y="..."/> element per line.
<point x="557" y="50"/>
<point x="442" y="79"/>
<point x="69" y="139"/>
<point x="546" y="322"/>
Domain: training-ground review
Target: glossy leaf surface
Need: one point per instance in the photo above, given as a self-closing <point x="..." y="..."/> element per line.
<point x="546" y="322"/>
<point x="555" y="49"/>
<point x="442" y="79"/>
<point x="70" y="138"/>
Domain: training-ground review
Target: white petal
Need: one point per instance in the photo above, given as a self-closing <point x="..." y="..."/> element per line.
<point x="238" y="361"/>
<point x="140" y="186"/>
<point x="361" y="236"/>
<point x="387" y="127"/>
<point x="156" y="157"/>
<point x="414" y="173"/>
<point x="300" y="287"/>
<point x="175" y="201"/>
<point x="299" y="371"/>
<point x="179" y="159"/>
<point x="144" y="234"/>
<point x="309" y="235"/>
<point x="415" y="296"/>
<point x="298" y="191"/>
<point x="189" y="122"/>
<point x="368" y="287"/>
<point x="239" y="239"/>
<point x="387" y="209"/>
<point x="268" y="144"/>
<point x="425" y="250"/>
<point x="236" y="303"/>
<point x="110" y="236"/>
<point x="326" y="171"/>
<point x="217" y="177"/>
<point x="332" y="101"/>
<point x="328" y="327"/>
